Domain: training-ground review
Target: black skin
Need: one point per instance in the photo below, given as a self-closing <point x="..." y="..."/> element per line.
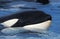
<point x="27" y="18"/>
<point x="43" y="1"/>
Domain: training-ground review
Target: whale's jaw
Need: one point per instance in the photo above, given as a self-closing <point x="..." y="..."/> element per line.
<point x="38" y="27"/>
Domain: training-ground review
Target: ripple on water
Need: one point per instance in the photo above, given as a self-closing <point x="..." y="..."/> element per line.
<point x="45" y="35"/>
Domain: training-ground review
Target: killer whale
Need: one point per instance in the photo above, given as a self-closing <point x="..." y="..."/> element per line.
<point x="27" y="20"/>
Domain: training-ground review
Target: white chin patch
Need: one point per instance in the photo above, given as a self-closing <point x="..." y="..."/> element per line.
<point x="10" y="22"/>
<point x="38" y="27"/>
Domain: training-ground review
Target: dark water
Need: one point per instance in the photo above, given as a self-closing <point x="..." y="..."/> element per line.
<point x="54" y="31"/>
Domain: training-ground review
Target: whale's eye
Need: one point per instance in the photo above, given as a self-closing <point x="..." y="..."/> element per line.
<point x="10" y="22"/>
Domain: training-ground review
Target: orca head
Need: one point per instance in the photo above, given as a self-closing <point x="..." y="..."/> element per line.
<point x="30" y="20"/>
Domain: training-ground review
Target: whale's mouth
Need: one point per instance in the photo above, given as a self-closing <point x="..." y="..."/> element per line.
<point x="10" y="22"/>
<point x="38" y="27"/>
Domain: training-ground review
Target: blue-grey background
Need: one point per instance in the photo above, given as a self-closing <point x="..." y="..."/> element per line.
<point x="54" y="31"/>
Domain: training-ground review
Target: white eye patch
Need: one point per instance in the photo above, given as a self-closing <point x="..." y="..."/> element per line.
<point x="10" y="22"/>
